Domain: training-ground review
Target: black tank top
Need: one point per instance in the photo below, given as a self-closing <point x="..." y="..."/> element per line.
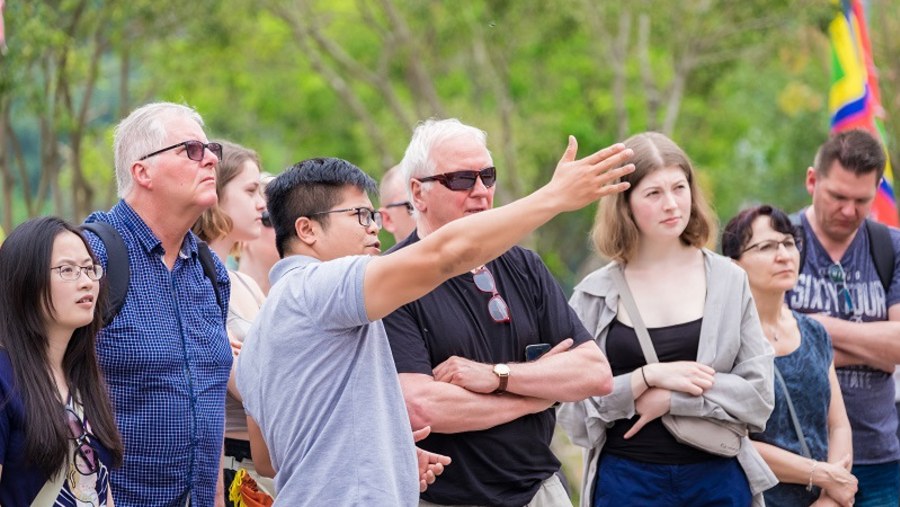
<point x="653" y="444"/>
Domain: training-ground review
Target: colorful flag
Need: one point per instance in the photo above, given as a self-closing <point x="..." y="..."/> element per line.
<point x="854" y="100"/>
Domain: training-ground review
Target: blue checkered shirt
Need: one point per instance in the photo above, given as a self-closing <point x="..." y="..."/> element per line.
<point x="166" y="360"/>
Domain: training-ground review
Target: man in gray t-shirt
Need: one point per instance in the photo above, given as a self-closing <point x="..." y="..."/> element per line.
<point x="316" y="373"/>
<point x="840" y="287"/>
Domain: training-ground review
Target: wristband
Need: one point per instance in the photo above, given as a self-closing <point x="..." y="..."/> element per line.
<point x="645" y="378"/>
<point x="811" y="471"/>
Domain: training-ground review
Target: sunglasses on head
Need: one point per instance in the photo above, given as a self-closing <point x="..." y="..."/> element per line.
<point x="464" y="180"/>
<point x="193" y="149"/>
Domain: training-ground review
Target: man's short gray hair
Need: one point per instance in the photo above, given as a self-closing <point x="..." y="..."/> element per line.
<point x="417" y="161"/>
<point x="142" y="132"/>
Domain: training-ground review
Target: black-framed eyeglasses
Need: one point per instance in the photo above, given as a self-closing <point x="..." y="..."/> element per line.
<point x="194" y="150"/>
<point x="266" y="219"/>
<point x="70" y="272"/>
<point x="85" y="457"/>
<point x="464" y="180"/>
<point x="365" y="216"/>
<point x="769" y="247"/>
<point x="497" y="307"/>
<point x="406" y="204"/>
<point x="838" y="277"/>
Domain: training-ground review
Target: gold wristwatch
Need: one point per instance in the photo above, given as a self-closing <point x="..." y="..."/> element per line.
<point x="502" y="372"/>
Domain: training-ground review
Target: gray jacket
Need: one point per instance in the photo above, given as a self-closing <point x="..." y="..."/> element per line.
<point x="731" y="341"/>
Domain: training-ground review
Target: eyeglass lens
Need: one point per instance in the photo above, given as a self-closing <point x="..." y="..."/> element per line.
<point x="366" y="216"/>
<point x="195" y="149"/>
<point x="465" y="180"/>
<point x="266" y="219"/>
<point x="497" y="307"/>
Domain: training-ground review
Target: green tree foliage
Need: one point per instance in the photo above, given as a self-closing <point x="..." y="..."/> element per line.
<point x="740" y="85"/>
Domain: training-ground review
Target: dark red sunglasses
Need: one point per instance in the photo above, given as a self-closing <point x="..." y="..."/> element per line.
<point x="464" y="180"/>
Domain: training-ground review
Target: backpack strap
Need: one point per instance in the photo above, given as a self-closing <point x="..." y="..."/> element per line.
<point x="882" y="251"/>
<point x="209" y="268"/>
<point x="118" y="272"/>
<point x="880" y="248"/>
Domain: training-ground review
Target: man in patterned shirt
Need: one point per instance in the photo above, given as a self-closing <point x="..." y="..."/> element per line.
<point x="165" y="355"/>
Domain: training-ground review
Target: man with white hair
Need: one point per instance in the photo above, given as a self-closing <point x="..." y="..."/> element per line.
<point x="396" y="210"/>
<point x="467" y="352"/>
<point x="165" y="354"/>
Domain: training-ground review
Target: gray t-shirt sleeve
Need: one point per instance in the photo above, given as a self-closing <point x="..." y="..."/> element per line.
<point x="893" y="295"/>
<point x="333" y="292"/>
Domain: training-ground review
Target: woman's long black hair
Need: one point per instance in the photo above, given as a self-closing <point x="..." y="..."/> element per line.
<point x="25" y="301"/>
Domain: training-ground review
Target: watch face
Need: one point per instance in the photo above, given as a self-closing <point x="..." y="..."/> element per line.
<point x="501" y="369"/>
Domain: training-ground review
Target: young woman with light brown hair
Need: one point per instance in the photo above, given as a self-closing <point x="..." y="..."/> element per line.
<point x="714" y="362"/>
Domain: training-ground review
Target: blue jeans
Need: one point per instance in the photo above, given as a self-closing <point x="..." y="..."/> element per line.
<point x="719" y="482"/>
<point x="879" y="485"/>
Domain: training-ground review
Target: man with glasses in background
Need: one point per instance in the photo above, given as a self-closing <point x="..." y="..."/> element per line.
<point x="165" y="355"/>
<point x="850" y="282"/>
<point x="463" y="350"/>
<point x="396" y="210"/>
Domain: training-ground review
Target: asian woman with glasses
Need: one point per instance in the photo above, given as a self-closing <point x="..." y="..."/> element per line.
<point x="58" y="436"/>
<point x="239" y="216"/>
<point x="713" y="361"/>
<point x="807" y="441"/>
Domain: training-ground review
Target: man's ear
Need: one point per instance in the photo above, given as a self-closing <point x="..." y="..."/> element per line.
<point x="141" y="174"/>
<point x="387" y="223"/>
<point x="418" y="198"/>
<point x="810" y="180"/>
<point x="307" y="230"/>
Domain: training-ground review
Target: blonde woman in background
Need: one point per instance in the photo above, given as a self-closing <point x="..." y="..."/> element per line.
<point x="236" y="218"/>
<point x="714" y="361"/>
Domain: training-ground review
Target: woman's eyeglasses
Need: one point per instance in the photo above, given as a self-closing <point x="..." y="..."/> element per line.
<point x="85" y="458"/>
<point x="771" y="246"/>
<point x="70" y="273"/>
<point x="838" y="277"/>
<point x="194" y="150"/>
<point x="464" y="180"/>
<point x="266" y="219"/>
<point x="497" y="307"/>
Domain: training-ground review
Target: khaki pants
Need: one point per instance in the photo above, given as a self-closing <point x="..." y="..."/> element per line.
<point x="551" y="494"/>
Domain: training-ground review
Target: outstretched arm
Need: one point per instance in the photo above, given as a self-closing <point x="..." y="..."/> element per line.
<point x="405" y="275"/>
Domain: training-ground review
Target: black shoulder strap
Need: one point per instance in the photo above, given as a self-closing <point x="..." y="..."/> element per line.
<point x="798" y="224"/>
<point x="882" y="251"/>
<point x="209" y="268"/>
<point x="118" y="271"/>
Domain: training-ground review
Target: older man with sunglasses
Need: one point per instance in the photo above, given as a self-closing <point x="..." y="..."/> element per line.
<point x="844" y="285"/>
<point x="165" y="355"/>
<point x="462" y="350"/>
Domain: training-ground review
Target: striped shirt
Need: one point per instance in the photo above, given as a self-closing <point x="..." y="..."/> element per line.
<point x="166" y="360"/>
